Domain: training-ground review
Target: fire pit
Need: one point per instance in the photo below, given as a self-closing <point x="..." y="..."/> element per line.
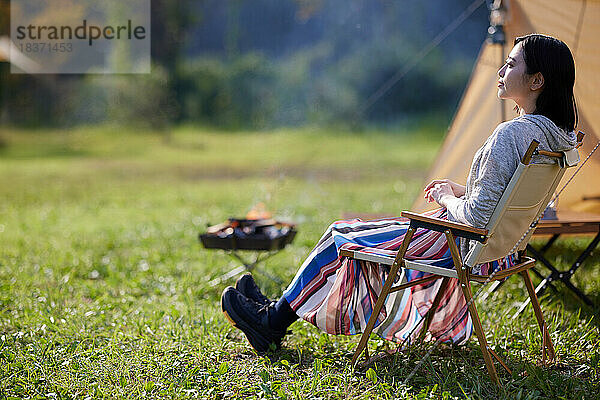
<point x="258" y="232"/>
<point x="249" y="234"/>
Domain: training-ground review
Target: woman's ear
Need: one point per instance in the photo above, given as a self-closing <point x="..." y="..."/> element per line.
<point x="537" y="81"/>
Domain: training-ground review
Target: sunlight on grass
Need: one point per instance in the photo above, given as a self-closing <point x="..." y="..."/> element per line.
<point x="104" y="287"/>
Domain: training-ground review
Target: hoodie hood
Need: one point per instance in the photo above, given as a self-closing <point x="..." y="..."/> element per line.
<point x="558" y="139"/>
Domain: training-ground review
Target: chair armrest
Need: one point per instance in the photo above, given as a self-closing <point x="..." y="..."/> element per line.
<point x="442" y="225"/>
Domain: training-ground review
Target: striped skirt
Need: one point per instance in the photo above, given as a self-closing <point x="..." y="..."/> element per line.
<point x="337" y="294"/>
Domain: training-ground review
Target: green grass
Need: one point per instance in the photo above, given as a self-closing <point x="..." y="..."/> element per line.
<point x="104" y="288"/>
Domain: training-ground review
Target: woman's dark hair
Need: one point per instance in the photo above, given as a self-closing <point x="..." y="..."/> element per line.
<point x="554" y="60"/>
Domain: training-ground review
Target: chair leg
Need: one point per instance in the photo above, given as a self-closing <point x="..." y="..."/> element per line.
<point x="546" y="341"/>
<point x="466" y="289"/>
<point x="383" y="295"/>
<point x="497" y="357"/>
<point x="431" y="312"/>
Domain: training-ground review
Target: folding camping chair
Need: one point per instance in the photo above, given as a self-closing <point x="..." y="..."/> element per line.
<point x="508" y="230"/>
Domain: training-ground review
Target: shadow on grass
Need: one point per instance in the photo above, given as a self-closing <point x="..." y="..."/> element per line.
<point x="460" y="371"/>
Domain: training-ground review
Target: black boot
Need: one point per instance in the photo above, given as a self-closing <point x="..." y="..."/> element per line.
<point x="246" y="286"/>
<point x="252" y="319"/>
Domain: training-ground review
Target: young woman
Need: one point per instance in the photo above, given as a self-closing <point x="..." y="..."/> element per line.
<point x="337" y="294"/>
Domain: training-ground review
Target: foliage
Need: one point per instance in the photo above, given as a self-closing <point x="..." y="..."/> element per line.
<point x="311" y="86"/>
<point x="264" y="64"/>
<point x="142" y="100"/>
<point x="230" y="94"/>
<point x="104" y="289"/>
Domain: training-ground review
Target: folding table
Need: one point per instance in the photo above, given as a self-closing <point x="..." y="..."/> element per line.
<point x="567" y="223"/>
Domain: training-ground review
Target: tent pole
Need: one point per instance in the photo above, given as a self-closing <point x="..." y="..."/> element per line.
<point x="496" y="35"/>
<point x="502" y="101"/>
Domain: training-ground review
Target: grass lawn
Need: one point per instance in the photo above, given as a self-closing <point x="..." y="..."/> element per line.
<point x="104" y="287"/>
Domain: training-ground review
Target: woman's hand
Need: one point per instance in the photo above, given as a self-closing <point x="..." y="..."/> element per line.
<point x="441" y="189"/>
<point x="457" y="189"/>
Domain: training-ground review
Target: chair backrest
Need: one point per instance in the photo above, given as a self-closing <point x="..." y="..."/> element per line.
<point x="524" y="199"/>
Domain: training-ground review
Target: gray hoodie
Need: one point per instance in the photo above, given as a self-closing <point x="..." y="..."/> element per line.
<point x="496" y="161"/>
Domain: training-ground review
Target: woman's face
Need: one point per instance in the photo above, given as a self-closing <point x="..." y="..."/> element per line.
<point x="513" y="82"/>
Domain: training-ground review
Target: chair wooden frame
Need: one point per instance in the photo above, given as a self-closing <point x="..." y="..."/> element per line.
<point x="462" y="270"/>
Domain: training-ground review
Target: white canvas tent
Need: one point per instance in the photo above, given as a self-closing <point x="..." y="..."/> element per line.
<point x="577" y="23"/>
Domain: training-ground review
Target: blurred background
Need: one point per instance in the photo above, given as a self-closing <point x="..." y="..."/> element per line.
<point x="261" y="64"/>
